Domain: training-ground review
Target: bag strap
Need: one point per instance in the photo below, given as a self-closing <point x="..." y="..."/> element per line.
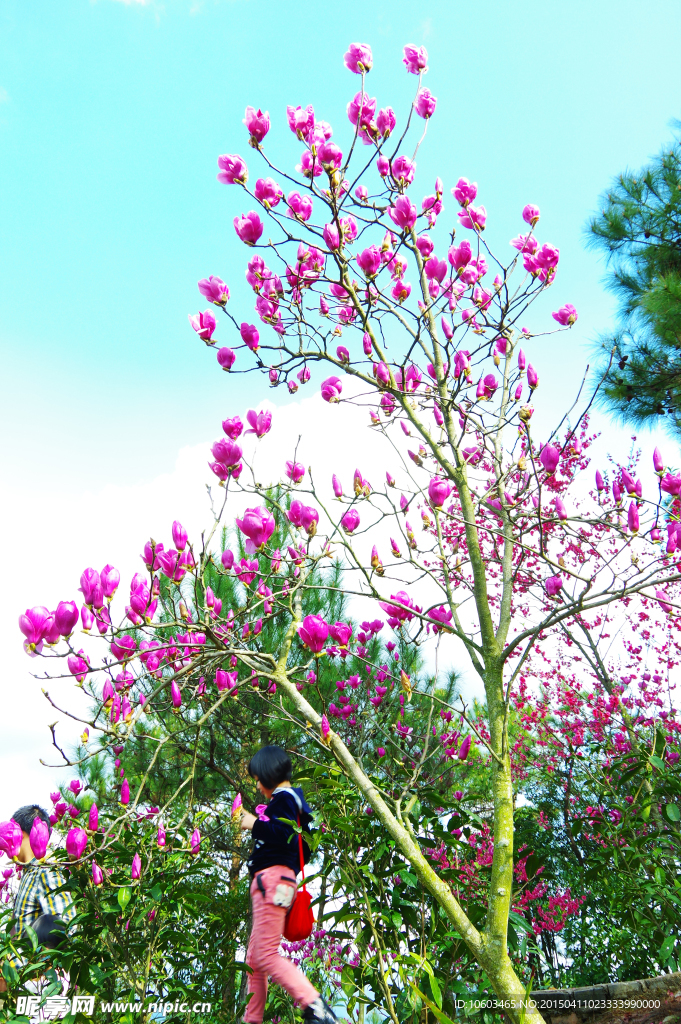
<point x="302" y="858"/>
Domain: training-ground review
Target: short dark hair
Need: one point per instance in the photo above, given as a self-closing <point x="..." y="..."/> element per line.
<point x="26" y="815"/>
<point x="50" y="931"/>
<point x="271" y="766"/>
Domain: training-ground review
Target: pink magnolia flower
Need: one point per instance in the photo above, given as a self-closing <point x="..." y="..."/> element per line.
<point x="304" y="516"/>
<point x="350" y="520"/>
<point x="331" y="236"/>
<point x="232" y="427"/>
<point x="633" y="517"/>
<point x="179" y="536"/>
<point x="204" y="324"/>
<point x="109" y="578"/>
<point x="330" y="156"/>
<point x="195" y="842"/>
<point x="93" y="818"/>
<point x="397" y="614"/>
<point x="34" y="624"/>
<point x="226" y="680"/>
<point x="361" y="110"/>
<point x="258" y="525"/>
<point x="331" y="389"/>
<point x="76" y="841"/>
<point x="295" y="471"/>
<point x="226" y="358"/>
<point x="369" y="261"/>
<point x="214" y="289"/>
<point x="260" y="422"/>
<point x="658" y="463"/>
<point x="136" y="868"/>
<point x="268" y="192"/>
<point x="78" y="666"/>
<point x="233" y="169"/>
<point x="425" y="103"/>
<point x="359" y="58"/>
<point x="532" y="377"/>
<point x="553" y="585"/>
<point x="237" y="804"/>
<point x="473" y="217"/>
<point x="314" y="632"/>
<point x="325" y="728"/>
<point x="403" y="214"/>
<point x="299" y="206"/>
<point x="247" y="571"/>
<point x="566" y="315"/>
<point x="549" y="458"/>
<point x="460" y="255"/>
<point x="438" y="491"/>
<point x="341" y="633"/>
<point x="415" y="59"/>
<point x="671" y="484"/>
<point x="39" y="838"/>
<point x="436" y="269"/>
<point x="250" y="336"/>
<point x="561" y="511"/>
<point x="300" y="120"/>
<point x="124" y="646"/>
<point x="343" y="354"/>
<point x="175" y="695"/>
<point x="97" y="876"/>
<point x="226" y="452"/>
<point x="11" y="838"/>
<point x="465" y="191"/>
<point x="403" y="170"/>
<point x="662" y="599"/>
<point x="465" y="748"/>
<point x="258" y="124"/>
<point x="248" y="227"/>
<point x="385" y="122"/>
<point x="442" y="617"/>
<point x="66" y="617"/>
<point x="525" y="243"/>
<point x="531" y="214"/>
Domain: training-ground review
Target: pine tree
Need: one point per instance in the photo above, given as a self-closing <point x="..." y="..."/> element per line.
<point x="639" y="230"/>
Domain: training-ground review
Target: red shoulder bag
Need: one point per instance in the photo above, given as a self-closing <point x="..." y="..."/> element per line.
<point x="299" y="921"/>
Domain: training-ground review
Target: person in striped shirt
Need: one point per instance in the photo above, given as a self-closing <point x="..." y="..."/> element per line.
<point x="37" y="896"/>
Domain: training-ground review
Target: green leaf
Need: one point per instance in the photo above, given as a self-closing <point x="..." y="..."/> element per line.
<point x="157" y="893"/>
<point x="667" y="947"/>
<point x="124" y="896"/>
<point x="672" y="812"/>
<point x="439" y="1015"/>
<point x="9" y="973"/>
<point x="657" y="762"/>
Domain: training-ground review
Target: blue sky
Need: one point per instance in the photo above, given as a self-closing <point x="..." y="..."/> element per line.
<point x="112" y="117"/>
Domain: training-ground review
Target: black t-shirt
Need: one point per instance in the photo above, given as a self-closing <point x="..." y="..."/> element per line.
<point x="276" y="842"/>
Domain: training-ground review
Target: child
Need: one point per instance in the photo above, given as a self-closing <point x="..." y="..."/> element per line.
<point x="273" y="866"/>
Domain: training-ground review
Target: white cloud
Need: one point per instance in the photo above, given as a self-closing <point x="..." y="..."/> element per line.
<point x="52" y="538"/>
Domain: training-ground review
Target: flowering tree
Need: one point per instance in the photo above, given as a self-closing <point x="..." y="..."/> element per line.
<point x="513" y="550"/>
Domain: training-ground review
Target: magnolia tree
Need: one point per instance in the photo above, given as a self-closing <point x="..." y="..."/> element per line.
<point x="511" y="547"/>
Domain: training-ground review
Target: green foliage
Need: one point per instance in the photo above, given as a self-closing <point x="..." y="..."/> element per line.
<point x="639" y="230"/>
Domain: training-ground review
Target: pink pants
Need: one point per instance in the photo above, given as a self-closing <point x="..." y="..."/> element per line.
<point x="269" y="911"/>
